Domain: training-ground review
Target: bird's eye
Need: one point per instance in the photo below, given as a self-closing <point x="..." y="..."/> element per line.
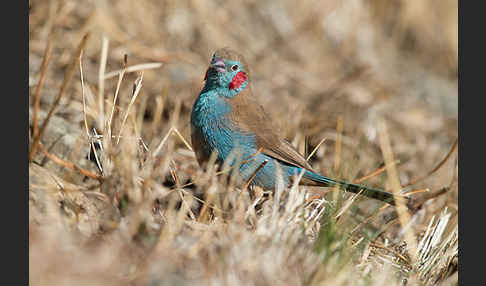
<point x="234" y="67"/>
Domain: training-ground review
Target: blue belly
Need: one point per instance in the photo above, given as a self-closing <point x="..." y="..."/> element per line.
<point x="213" y="131"/>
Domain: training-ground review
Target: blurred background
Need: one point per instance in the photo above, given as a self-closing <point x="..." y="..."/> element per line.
<point x="311" y="63"/>
<point x="320" y="68"/>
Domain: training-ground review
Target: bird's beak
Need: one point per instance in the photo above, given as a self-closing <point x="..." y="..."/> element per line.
<point x="218" y="64"/>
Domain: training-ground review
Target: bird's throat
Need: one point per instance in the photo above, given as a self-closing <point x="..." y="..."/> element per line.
<point x="209" y="108"/>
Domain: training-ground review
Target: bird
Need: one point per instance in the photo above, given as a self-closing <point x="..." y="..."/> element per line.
<point x="227" y="119"/>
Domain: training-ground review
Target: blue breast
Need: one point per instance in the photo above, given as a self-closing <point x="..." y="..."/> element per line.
<point x="212" y="130"/>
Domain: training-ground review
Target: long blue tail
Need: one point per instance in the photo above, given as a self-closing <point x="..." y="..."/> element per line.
<point x="350" y="187"/>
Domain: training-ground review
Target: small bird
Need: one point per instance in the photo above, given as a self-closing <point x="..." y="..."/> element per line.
<point x="227" y="119"/>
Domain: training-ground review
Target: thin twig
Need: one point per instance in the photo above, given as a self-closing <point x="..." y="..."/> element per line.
<point x="101" y="83"/>
<point x="159" y="109"/>
<point x="67" y="79"/>
<point x="197" y="199"/>
<point x="401" y="207"/>
<point x="255" y="173"/>
<point x="418" y="191"/>
<point x="397" y="254"/>
<point x="162" y="143"/>
<point x="368" y="219"/>
<point x="133" y="68"/>
<point x="375" y="173"/>
<point x="316" y="148"/>
<point x="348" y="204"/>
<point x="428" y="196"/>
<point x="176" y="180"/>
<point x="117" y="90"/>
<point x="338" y="146"/>
<point x="138" y="86"/>
<point x="98" y="163"/>
<point x="90" y="141"/>
<point x="45" y="63"/>
<point x="182" y="138"/>
<point x="205" y="207"/>
<point x="83" y="95"/>
<point x="441" y="163"/>
<point x="69" y="165"/>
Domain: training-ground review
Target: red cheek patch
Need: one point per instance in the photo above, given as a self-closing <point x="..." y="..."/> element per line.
<point x="237" y="80"/>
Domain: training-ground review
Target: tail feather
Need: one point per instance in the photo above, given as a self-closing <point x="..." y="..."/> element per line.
<point x="377" y="194"/>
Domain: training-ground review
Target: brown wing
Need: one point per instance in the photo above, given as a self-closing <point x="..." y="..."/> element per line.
<point x="251" y="117"/>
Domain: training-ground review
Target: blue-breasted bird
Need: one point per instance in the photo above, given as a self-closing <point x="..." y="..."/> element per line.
<point x="227" y="119"/>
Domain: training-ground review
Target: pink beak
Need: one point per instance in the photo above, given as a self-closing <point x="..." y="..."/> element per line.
<point x="218" y="64"/>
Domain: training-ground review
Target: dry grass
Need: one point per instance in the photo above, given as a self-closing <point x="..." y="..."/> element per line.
<point x="142" y="212"/>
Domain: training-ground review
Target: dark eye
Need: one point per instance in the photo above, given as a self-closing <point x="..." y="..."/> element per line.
<point x="234" y="67"/>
